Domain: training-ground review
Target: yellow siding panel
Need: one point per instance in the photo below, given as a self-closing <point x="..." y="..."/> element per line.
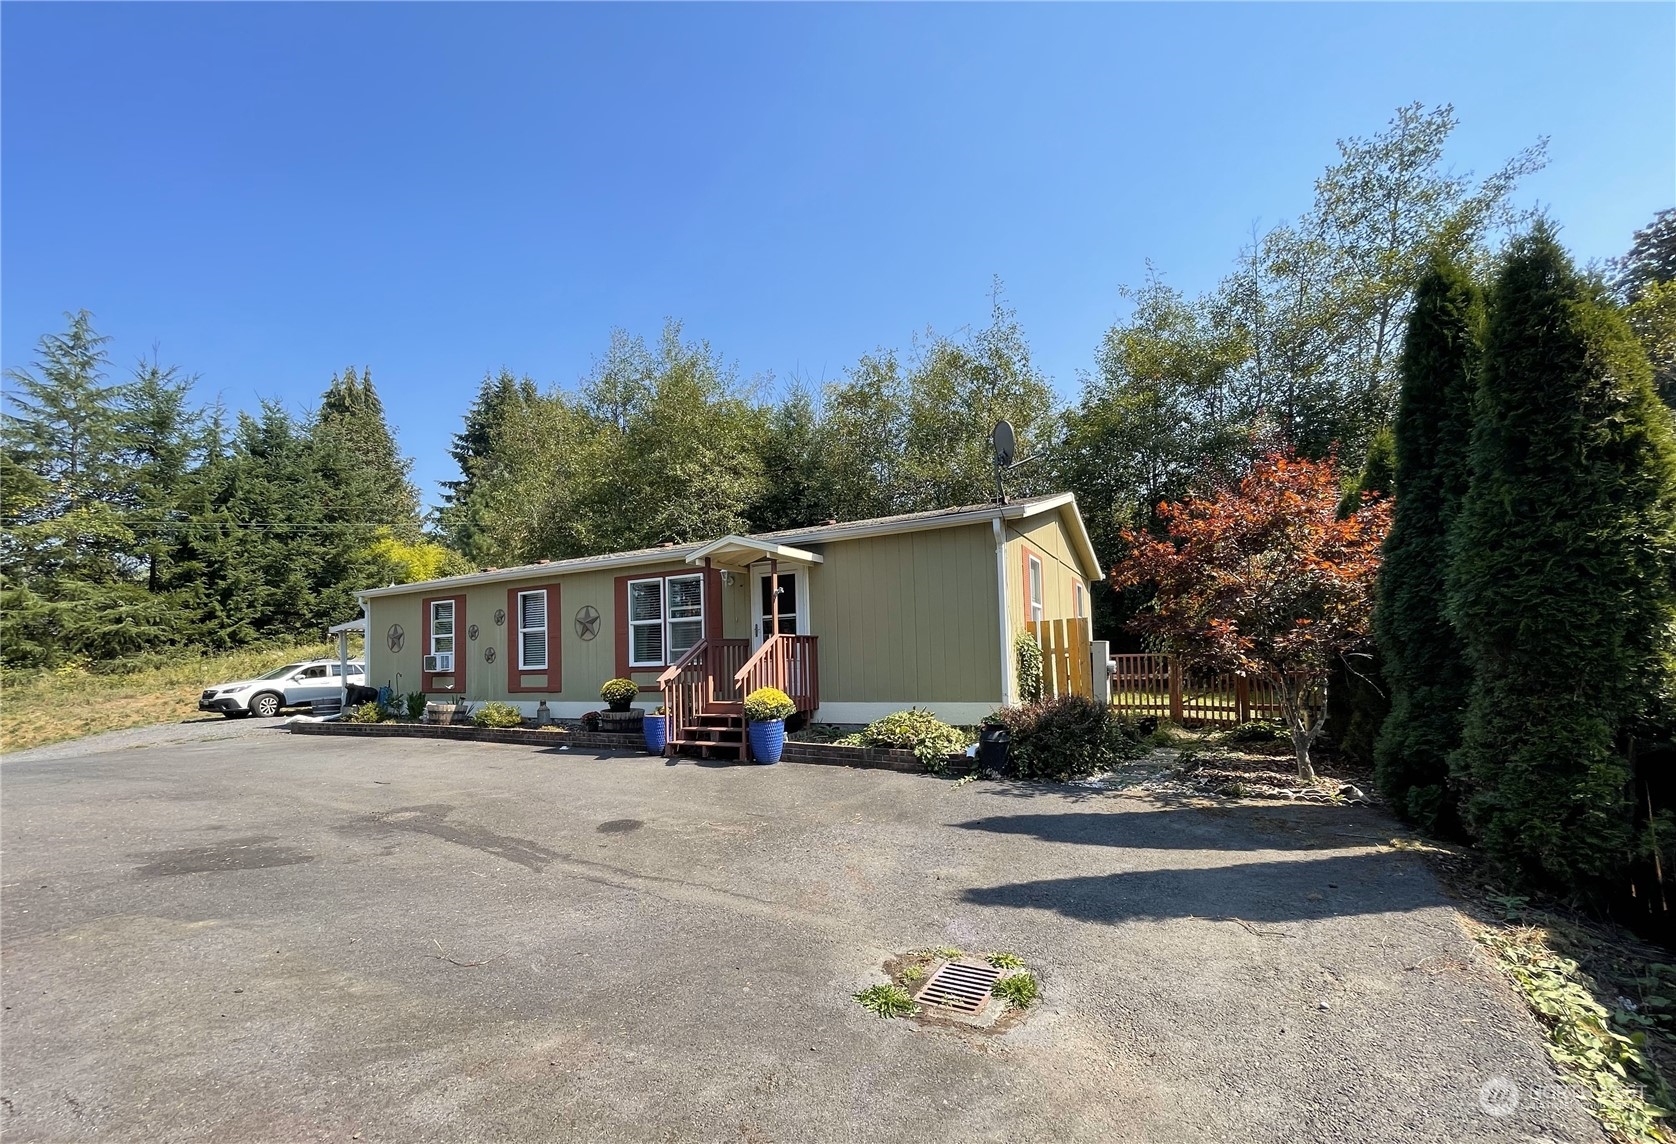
<point x="904" y="618"/>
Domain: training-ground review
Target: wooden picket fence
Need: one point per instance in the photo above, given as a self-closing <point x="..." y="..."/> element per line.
<point x="1163" y="687"/>
<point x="1151" y="684"/>
<point x="1066" y="666"/>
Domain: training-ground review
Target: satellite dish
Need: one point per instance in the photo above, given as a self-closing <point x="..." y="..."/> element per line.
<point x="1006" y="443"/>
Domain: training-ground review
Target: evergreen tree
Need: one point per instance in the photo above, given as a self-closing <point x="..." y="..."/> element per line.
<point x="1561" y="581"/>
<point x="351" y="411"/>
<point x="1421" y="656"/>
<point x="500" y="400"/>
<point x="1358" y="696"/>
<point x="69" y="587"/>
<point x="217" y="587"/>
<point x="157" y="429"/>
<point x="794" y="494"/>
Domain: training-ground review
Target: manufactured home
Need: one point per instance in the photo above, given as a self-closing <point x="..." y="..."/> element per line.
<point x="853" y="620"/>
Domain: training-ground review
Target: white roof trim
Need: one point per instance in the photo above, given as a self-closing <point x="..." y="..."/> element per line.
<point x="819" y="534"/>
<point x="359" y="625"/>
<point x="674" y="554"/>
<point x="761" y="550"/>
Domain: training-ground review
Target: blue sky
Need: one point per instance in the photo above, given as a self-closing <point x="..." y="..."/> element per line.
<point x="271" y="193"/>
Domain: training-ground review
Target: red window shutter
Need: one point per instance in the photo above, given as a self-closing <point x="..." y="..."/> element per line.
<point x="621" y="623"/>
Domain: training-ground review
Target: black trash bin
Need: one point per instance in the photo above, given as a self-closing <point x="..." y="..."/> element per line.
<point x="992" y="748"/>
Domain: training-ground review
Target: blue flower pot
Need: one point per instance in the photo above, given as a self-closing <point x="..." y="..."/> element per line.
<point x="768" y="740"/>
<point x="656" y="728"/>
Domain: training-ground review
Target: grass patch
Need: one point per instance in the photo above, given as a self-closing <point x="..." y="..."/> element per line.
<point x="43" y="707"/>
<point x="1020" y="990"/>
<point x="887" y="1001"/>
<point x="1002" y="959"/>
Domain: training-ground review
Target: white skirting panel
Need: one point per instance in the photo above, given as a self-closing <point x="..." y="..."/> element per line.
<point x="960" y="714"/>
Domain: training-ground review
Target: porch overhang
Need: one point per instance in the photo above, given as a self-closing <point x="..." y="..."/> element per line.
<point x="738" y="553"/>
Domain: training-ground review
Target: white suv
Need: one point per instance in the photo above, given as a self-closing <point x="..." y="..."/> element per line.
<point x="294" y="685"/>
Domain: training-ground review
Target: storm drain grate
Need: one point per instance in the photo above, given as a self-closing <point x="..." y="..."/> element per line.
<point x="962" y="985"/>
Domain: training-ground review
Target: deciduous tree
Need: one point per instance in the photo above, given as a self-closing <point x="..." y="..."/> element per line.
<point x="1264" y="578"/>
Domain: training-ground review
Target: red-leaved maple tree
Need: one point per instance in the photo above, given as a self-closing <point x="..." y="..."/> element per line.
<point x="1265" y="580"/>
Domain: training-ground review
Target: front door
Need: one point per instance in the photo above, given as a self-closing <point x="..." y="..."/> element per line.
<point x="790" y="619"/>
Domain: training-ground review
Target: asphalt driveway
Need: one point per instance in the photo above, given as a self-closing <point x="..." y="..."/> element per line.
<point x="287" y="938"/>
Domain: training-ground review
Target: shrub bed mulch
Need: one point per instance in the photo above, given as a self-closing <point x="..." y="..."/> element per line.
<point x="1204" y="766"/>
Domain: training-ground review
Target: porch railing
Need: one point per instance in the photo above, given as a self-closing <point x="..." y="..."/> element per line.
<point x="702" y="680"/>
<point x="790" y="663"/>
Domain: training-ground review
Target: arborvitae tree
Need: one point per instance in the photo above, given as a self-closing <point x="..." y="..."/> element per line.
<point x="1358" y="698"/>
<point x="1421" y="656"/>
<point x="1561" y="584"/>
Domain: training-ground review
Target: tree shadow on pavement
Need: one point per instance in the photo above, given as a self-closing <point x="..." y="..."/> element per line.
<point x="1282" y="891"/>
<point x="1277" y="826"/>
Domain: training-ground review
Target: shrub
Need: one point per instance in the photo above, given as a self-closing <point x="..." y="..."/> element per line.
<point x="497" y="715"/>
<point x="1066" y="737"/>
<point x="930" y="739"/>
<point x="1029" y="655"/>
<point x="619" y="691"/>
<point x="766" y="704"/>
<point x="365" y="713"/>
<point x="1259" y="731"/>
<point x="415" y="701"/>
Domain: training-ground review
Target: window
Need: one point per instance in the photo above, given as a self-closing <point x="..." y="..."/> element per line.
<point x="666" y="618"/>
<point x="686" y="614"/>
<point x="318" y="671"/>
<point x="1035" y="588"/>
<point x="788" y="604"/>
<point x="646" y="623"/>
<point x="442" y="627"/>
<point x="532" y="630"/>
<point x="1078" y="595"/>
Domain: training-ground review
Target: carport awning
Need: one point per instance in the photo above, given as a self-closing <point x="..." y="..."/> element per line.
<point x="359" y="625"/>
<point x="738" y="553"/>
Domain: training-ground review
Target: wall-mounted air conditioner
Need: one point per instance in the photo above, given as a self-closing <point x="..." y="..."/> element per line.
<point x="439" y="663"/>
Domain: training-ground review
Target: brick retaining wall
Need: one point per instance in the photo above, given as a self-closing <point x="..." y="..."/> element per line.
<point x="827" y="754"/>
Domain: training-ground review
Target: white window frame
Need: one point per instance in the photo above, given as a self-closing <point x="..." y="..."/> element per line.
<point x="672" y="619"/>
<point x="659" y="620"/>
<point x="1080" y="600"/>
<point x="1036" y="588"/>
<point x="451" y="636"/>
<point x="546" y="638"/>
<point x="666" y="619"/>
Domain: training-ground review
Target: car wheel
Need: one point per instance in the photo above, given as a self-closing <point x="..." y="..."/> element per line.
<point x="265" y="705"/>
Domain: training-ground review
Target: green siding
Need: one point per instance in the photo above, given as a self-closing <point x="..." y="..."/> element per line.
<point x="906" y="618"/>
